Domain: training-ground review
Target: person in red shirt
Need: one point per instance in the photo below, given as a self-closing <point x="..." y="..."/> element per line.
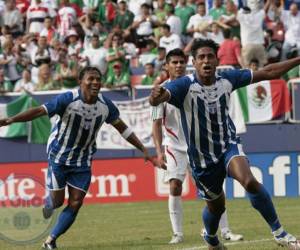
<point x="230" y="51"/>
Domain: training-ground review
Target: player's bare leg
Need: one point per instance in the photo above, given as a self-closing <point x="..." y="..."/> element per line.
<point x="54" y="200"/>
<point x="66" y="218"/>
<point x="239" y="169"/>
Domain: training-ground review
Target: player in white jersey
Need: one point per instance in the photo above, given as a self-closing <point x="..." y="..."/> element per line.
<point x="80" y="114"/>
<point x="175" y="152"/>
<point x="214" y="149"/>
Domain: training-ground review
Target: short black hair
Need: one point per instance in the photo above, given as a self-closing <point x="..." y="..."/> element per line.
<point x="175" y="52"/>
<point x="200" y="43"/>
<point x="86" y="70"/>
<point x="227" y="33"/>
<point x="150" y="64"/>
<point x="254" y="60"/>
<point x="161" y="49"/>
<point x="166" y="26"/>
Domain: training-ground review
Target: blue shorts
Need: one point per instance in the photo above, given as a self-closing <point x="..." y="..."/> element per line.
<point x="210" y="182"/>
<point x="59" y="176"/>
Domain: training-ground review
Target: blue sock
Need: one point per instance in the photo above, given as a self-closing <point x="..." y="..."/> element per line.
<point x="211" y="223"/>
<point x="64" y="221"/>
<point x="262" y="202"/>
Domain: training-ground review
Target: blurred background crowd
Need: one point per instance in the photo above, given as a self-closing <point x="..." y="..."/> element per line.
<point x="44" y="43"/>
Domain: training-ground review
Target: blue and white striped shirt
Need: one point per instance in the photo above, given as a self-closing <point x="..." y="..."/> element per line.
<point x="73" y="138"/>
<point x="207" y="126"/>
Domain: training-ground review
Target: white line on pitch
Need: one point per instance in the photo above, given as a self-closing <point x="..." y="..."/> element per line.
<point x="229" y="244"/>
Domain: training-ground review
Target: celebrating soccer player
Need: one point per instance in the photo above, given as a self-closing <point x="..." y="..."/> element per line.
<point x="214" y="150"/>
<point x="175" y="152"/>
<point x="80" y="114"/>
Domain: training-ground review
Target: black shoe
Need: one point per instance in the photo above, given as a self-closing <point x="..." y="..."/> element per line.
<point x="47" y="212"/>
<point x="50" y="245"/>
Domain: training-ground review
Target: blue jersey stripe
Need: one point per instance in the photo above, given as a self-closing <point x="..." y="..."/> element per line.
<point x="85" y="160"/>
<point x="215" y="133"/>
<point x="204" y="144"/>
<point x="75" y="126"/>
<point x="59" y="141"/>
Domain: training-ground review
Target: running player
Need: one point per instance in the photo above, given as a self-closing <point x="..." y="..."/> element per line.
<point x="214" y="150"/>
<point x="80" y="114"/>
<point x="175" y="152"/>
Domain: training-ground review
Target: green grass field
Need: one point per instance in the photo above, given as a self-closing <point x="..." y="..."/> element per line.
<point x="146" y="226"/>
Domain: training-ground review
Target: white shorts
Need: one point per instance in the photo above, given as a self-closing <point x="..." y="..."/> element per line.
<point x="177" y="164"/>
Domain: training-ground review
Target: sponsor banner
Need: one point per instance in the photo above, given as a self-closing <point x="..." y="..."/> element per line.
<point x="130" y="180"/>
<point x="136" y="114"/>
<point x="122" y="180"/>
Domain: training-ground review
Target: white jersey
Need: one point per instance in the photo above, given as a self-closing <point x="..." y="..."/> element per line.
<point x="173" y="133"/>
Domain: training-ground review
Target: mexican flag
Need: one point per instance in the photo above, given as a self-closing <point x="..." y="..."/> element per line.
<point x="36" y="131"/>
<point x="264" y="101"/>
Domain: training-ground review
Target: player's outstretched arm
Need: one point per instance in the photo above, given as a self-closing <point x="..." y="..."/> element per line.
<point x="275" y="70"/>
<point x="25" y="116"/>
<point x="130" y="136"/>
<point x="158" y="95"/>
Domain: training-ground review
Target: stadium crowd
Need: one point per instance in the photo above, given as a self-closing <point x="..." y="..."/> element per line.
<point x="44" y="43"/>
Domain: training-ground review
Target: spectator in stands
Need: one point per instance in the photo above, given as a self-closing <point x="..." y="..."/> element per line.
<point x="41" y="53"/>
<point x="116" y="52"/>
<point x="144" y="25"/>
<point x="199" y="23"/>
<point x="36" y="15"/>
<point x="173" y="21"/>
<point x="160" y="59"/>
<point x="123" y="20"/>
<point x="254" y="64"/>
<point x="106" y="13"/>
<point x="91" y="7"/>
<point x="45" y="81"/>
<point x="218" y="10"/>
<point x="160" y="12"/>
<point x="96" y="55"/>
<point x="273" y="9"/>
<point x="252" y="35"/>
<point x="229" y="18"/>
<point x="294" y="72"/>
<point x="291" y="21"/>
<point x="49" y="31"/>
<point x="184" y="12"/>
<point x="119" y="79"/>
<point x="4" y="32"/>
<point x="150" y="74"/>
<point x="73" y="43"/>
<point x="216" y="33"/>
<point x="66" y="70"/>
<point x="9" y="61"/>
<point x="169" y="40"/>
<point x="13" y="18"/>
<point x="67" y="16"/>
<point x="149" y="54"/>
<point x="5" y="84"/>
<point x="229" y="52"/>
<point x="25" y="84"/>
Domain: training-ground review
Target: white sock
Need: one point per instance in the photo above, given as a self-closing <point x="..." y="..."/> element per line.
<point x="176" y="214"/>
<point x="223" y="224"/>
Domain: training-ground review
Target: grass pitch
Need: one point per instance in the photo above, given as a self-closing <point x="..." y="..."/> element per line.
<point x="146" y="225"/>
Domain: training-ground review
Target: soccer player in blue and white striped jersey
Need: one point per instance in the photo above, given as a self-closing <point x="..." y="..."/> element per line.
<point x="214" y="149"/>
<point x="71" y="145"/>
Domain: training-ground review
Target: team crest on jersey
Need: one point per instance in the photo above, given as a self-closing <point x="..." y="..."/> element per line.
<point x="259" y="97"/>
<point x="212" y="107"/>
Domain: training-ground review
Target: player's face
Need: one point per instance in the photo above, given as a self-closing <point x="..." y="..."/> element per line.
<point x="91" y="84"/>
<point x="205" y="62"/>
<point x="176" y="66"/>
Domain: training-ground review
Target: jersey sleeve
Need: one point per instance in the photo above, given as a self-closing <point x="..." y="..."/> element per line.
<point x="178" y="89"/>
<point x="157" y="112"/>
<point x="58" y="104"/>
<point x="238" y="78"/>
<point x="113" y="111"/>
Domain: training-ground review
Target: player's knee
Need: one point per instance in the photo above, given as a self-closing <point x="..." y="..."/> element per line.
<point x="58" y="203"/>
<point x="175" y="187"/>
<point x="251" y="185"/>
<point x="75" y="204"/>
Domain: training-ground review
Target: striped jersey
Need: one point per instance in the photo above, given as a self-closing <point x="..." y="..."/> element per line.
<point x="206" y="124"/>
<point x="170" y="115"/>
<point x="73" y="138"/>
